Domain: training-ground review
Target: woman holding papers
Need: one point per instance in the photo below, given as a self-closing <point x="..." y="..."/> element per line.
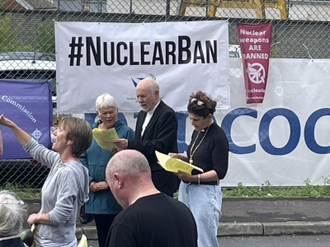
<point x="102" y="205"/>
<point x="208" y="150"/>
<point x="66" y="186"/>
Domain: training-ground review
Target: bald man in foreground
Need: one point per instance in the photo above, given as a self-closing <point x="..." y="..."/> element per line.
<point x="150" y="218"/>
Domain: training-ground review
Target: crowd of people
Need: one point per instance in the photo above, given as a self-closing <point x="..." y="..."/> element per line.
<point x="125" y="189"/>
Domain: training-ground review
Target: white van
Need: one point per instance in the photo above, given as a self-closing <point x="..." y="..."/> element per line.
<point x="29" y="66"/>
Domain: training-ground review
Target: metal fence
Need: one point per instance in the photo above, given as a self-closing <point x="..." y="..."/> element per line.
<point x="300" y="30"/>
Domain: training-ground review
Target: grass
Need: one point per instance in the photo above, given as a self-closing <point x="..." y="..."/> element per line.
<point x="264" y="191"/>
<point x="267" y="190"/>
<point x="23" y="192"/>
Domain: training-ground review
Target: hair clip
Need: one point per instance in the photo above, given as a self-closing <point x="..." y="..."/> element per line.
<point x="198" y="101"/>
<point x="12" y="202"/>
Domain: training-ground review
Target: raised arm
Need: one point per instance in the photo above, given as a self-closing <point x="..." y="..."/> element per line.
<point x="22" y="137"/>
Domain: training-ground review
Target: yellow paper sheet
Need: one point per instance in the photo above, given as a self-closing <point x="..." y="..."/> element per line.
<point x="83" y="241"/>
<point x="175" y="165"/>
<point x="105" y="138"/>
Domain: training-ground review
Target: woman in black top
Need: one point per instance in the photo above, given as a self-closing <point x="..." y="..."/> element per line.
<point x="208" y="150"/>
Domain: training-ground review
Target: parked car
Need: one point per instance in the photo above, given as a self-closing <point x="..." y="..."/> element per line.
<point x="29" y="66"/>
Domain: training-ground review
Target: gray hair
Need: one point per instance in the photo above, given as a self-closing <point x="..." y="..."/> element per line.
<point x="154" y="86"/>
<point x="105" y="101"/>
<point x="13" y="213"/>
<point x="128" y="162"/>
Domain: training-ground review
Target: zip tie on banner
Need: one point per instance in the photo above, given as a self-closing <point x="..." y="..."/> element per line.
<point x="308" y="52"/>
<point x="276" y="43"/>
<point x="236" y="21"/>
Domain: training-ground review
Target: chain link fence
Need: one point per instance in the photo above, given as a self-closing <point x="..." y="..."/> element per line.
<point x="300" y="30"/>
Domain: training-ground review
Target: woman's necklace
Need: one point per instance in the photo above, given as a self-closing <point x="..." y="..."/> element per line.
<point x="192" y="150"/>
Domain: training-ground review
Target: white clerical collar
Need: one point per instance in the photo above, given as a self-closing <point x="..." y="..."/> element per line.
<point x="148" y="117"/>
<point x="203" y="130"/>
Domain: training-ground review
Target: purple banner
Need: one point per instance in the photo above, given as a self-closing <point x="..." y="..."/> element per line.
<point x="29" y="105"/>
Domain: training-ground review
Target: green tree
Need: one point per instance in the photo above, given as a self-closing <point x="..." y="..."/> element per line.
<point x="46" y="37"/>
<point x="8" y="34"/>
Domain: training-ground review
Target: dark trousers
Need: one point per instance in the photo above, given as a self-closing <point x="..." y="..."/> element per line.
<point x="103" y="223"/>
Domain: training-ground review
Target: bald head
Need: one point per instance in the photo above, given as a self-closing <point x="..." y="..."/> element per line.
<point x="148" y="83"/>
<point x="128" y="162"/>
<point x="147" y="93"/>
<point x="129" y="177"/>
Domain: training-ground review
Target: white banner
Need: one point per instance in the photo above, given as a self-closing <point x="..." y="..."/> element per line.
<point x="286" y="139"/>
<point x="95" y="58"/>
